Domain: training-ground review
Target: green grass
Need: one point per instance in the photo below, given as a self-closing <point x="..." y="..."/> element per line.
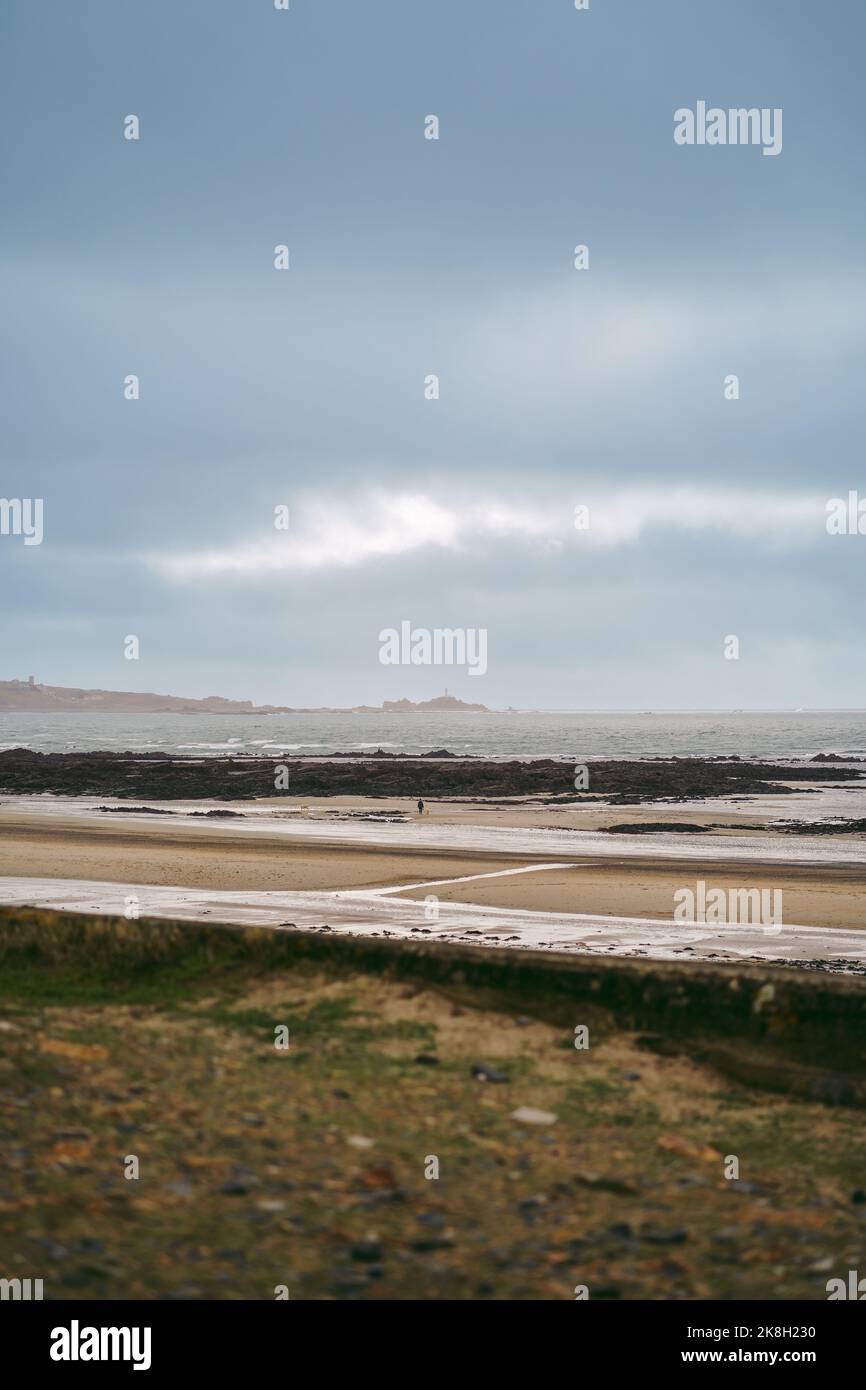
<point x="249" y="1173"/>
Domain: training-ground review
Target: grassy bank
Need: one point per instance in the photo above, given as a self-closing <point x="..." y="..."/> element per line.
<point x="306" y="1167"/>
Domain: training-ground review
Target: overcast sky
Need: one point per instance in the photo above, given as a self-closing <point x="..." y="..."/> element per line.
<point x="408" y="257"/>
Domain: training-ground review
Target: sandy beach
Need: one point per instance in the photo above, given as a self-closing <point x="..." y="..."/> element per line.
<point x="632" y="880"/>
<point x="533" y="875"/>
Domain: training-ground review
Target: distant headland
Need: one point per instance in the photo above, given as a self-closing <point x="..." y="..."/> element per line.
<point x="21" y="697"/>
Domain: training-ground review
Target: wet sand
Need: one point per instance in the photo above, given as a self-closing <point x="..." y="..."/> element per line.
<point x="386" y="913"/>
<point x="518" y="876"/>
<point x="750" y="827"/>
<point x="627" y="882"/>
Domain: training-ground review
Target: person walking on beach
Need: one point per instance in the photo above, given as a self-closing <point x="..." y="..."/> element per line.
<point x="420" y="807"/>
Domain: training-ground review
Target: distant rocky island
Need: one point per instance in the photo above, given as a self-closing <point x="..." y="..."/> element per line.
<point x="447" y="704"/>
<point x="21" y="697"/>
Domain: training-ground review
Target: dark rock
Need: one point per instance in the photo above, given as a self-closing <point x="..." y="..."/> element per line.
<point x="530" y="1204"/>
<point x="136" y="777"/>
<point x="428" y="1244"/>
<point x="482" y="1072"/>
<point x="678" y="1235"/>
<point x="620" y="1230"/>
<point x="367" y="1252"/>
<point x="646" y="827"/>
<point x="345" y="1277"/>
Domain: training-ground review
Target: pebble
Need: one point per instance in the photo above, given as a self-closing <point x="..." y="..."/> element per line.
<point x="482" y="1072"/>
<point x="531" y="1203"/>
<point x="367" y="1251"/>
<point x="528" y="1115"/>
<point x="677" y="1236"/>
<point x="620" y="1230"/>
<point x="344" y="1277"/>
<point x="181" y="1188"/>
<point x="427" y="1244"/>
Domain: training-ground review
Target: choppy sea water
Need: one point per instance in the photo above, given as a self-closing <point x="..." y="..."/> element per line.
<point x="783" y="734"/>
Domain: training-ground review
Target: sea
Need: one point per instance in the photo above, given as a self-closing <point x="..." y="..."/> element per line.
<point x="797" y="735"/>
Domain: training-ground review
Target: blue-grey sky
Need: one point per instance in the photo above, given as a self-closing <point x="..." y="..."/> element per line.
<point x="410" y="257"/>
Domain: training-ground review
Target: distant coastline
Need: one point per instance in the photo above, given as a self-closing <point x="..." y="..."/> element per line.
<point x="22" y="697"/>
